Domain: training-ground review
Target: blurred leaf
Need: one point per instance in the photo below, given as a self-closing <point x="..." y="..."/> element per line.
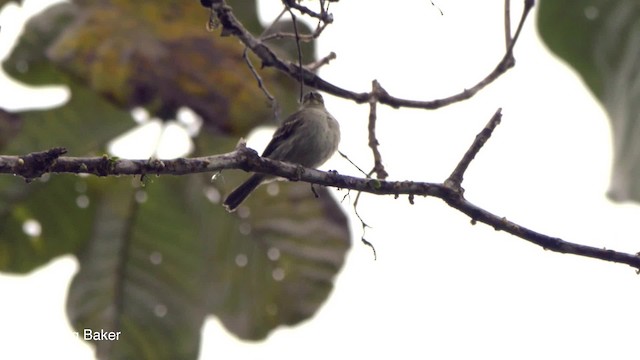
<point x="159" y="56"/>
<point x="166" y="260"/>
<point x="600" y="39"/>
<point x="9" y="127"/>
<point x="86" y="113"/>
<point x="61" y="205"/>
<point x="274" y="260"/>
<point x="5" y="2"/>
<point x="155" y="260"/>
<point x="28" y="62"/>
<point x="286" y="252"/>
<point x="141" y="274"/>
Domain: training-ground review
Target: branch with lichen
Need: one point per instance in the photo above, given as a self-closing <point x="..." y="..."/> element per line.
<point x="450" y="191"/>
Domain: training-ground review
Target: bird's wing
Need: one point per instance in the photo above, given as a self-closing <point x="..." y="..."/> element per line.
<point x="284" y="131"/>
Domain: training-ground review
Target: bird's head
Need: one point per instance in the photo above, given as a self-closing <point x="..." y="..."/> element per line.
<point x="312" y="98"/>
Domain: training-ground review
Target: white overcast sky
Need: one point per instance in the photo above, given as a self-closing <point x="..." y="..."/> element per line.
<point x="441" y="288"/>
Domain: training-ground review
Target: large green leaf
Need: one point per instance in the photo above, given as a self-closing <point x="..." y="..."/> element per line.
<point x="601" y="40"/>
<point x="159" y="55"/>
<point x="278" y="260"/>
<point x="142" y="274"/>
<point x="273" y="260"/>
<point x="61" y="206"/>
<point x="59" y="210"/>
<point x="163" y="257"/>
<point x="5" y="2"/>
<point x="156" y="259"/>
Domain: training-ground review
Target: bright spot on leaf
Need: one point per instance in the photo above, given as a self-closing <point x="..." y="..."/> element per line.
<point x="81" y="186"/>
<point x="82" y="201"/>
<point x="273" y="254"/>
<point x="242" y="260"/>
<point x="140" y="115"/>
<point x="189" y="120"/>
<point x="138" y="143"/>
<point x="591" y="12"/>
<point x="160" y="310"/>
<point x="273" y="189"/>
<point x="212" y="194"/>
<point x="243" y="212"/>
<point x="245" y="228"/>
<point x="22" y="66"/>
<point x="155" y="258"/>
<point x="141" y="196"/>
<point x="32" y="228"/>
<point x="272" y="309"/>
<point x="278" y="274"/>
<point x="174" y="141"/>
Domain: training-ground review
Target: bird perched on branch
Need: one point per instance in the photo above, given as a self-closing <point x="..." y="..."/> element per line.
<point x="308" y="137"/>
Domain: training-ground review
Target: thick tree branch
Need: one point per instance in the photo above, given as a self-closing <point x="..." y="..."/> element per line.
<point x="248" y="160"/>
<point x="36" y="164"/>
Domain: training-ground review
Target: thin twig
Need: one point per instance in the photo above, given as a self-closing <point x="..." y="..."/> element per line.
<point x="378" y="167"/>
<point x="323" y="11"/>
<point x="352" y="163"/>
<point x="437" y="7"/>
<point x="323" y="16"/>
<point x="284" y="35"/>
<point x="314" y="66"/>
<point x="271" y="98"/>
<point x="273" y="23"/>
<point x="455" y="179"/>
<point x="281" y="35"/>
<point x="507" y="23"/>
<point x="295" y="30"/>
<point x="364" y="226"/>
<point x="302" y="37"/>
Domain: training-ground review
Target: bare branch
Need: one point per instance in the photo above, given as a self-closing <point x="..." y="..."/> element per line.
<point x="437" y="7"/>
<point x="314" y="66"/>
<point x="378" y="168"/>
<point x="364" y="226"/>
<point x="455" y="179"/>
<point x="507" y="23"/>
<point x="354" y="164"/>
<point x="231" y="26"/>
<point x="295" y="31"/>
<point x="301" y="37"/>
<point x="36" y="164"/>
<point x="273" y="24"/>
<point x="323" y="16"/>
<point x="272" y="100"/>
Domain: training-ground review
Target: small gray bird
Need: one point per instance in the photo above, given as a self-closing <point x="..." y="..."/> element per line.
<point x="308" y="137"/>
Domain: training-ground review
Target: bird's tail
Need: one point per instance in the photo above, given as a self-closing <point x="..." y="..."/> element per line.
<point x="238" y="195"/>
